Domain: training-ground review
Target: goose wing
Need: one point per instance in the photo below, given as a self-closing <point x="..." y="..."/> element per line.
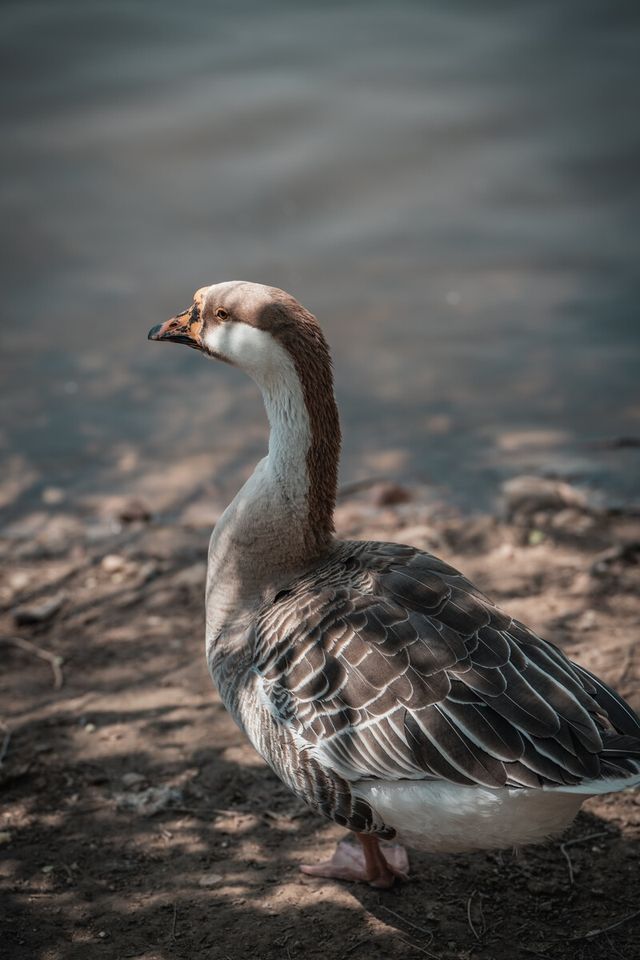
<point x="388" y="663"/>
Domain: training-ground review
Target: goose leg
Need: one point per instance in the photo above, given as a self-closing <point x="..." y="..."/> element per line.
<point x="366" y="861"/>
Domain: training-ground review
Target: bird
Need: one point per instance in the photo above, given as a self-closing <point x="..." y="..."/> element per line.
<point x="379" y="684"/>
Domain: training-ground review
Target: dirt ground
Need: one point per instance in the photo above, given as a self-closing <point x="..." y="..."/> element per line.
<point x="137" y="823"/>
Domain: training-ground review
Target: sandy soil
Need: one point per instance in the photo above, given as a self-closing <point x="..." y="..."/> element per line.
<point x="137" y="823"/>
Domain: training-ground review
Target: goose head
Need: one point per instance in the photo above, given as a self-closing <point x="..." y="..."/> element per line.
<point x="262" y="330"/>
<point x="270" y="336"/>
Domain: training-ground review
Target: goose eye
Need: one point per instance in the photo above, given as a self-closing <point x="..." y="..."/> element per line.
<point x="222" y="314"/>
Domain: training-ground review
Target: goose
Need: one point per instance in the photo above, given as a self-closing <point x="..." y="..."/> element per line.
<point x="381" y="686"/>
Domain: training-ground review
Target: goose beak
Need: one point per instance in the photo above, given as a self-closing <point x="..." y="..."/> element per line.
<point x="184" y="328"/>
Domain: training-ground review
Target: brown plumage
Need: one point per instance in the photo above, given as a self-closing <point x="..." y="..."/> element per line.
<point x="390" y="664"/>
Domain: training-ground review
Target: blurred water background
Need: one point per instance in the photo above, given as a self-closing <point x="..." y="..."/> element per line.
<point x="451" y="188"/>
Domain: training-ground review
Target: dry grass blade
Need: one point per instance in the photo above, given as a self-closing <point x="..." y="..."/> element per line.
<point x="408" y="922"/>
<point x="52" y="658"/>
<point x="469" y="920"/>
<point x="611" y="926"/>
<point x="416" y="946"/>
<point x="355" y="946"/>
<point x="570" y="843"/>
<point x="614" y="952"/>
<point x="596" y="932"/>
<point x="533" y="952"/>
<point x="564" y="853"/>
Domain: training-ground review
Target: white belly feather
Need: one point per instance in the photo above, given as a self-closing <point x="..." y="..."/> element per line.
<point x="443" y="817"/>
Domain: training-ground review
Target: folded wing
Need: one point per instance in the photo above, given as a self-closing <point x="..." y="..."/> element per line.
<point x="389" y="664"/>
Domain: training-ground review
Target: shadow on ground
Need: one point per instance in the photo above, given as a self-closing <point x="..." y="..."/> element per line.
<point x="137" y="823"/>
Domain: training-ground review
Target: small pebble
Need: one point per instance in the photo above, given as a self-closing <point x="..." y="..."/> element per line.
<point x="132" y="779"/>
<point x="112" y="563"/>
<point x="210" y="880"/>
<point x="52" y="495"/>
<point x="19" y="580"/>
<point x="588" y="620"/>
<point x="150" y="801"/>
<point x="100" y="531"/>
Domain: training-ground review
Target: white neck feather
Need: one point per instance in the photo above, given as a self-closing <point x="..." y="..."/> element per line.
<point x="290" y="434"/>
<point x="259" y="538"/>
<point x="269" y="364"/>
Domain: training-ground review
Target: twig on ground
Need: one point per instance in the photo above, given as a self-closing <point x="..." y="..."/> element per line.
<point x="596" y="932"/>
<point x="173" y="922"/>
<point x="354" y="947"/>
<point x="409" y="923"/>
<point x="6" y="740"/>
<point x="469" y="920"/>
<point x="417" y="946"/>
<point x="52" y="658"/>
<point x="564" y="853"/>
<point x="532" y="951"/>
<point x="589" y="836"/>
<point x="570" y="843"/>
<point x="481" y="912"/>
<point x="612" y="947"/>
<point x="224" y="812"/>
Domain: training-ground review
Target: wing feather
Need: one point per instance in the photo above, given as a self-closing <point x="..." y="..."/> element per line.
<point x="391" y="665"/>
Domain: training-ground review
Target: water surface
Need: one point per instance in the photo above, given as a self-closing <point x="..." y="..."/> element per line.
<point x="452" y="189"/>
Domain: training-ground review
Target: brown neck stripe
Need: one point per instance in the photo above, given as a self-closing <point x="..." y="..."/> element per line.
<point x="299" y="333"/>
